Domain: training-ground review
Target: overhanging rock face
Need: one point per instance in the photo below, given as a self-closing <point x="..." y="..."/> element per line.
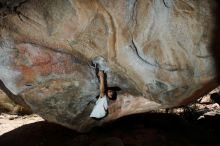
<point x="158" y="52"/>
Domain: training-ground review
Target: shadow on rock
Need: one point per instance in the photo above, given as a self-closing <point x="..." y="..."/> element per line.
<point x="215" y="42"/>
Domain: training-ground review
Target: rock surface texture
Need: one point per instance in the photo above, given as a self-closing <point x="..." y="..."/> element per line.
<point x="157" y="51"/>
<point x="6" y="104"/>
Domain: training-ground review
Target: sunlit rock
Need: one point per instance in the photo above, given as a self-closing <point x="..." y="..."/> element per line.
<point x="158" y="53"/>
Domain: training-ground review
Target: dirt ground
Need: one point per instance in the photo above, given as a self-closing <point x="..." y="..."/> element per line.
<point x="151" y="129"/>
<point x="9" y="122"/>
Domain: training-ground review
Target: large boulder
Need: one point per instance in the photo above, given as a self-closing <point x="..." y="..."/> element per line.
<point x="157" y="52"/>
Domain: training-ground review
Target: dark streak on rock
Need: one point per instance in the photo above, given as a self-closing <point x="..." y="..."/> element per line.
<point x="165" y="4"/>
<point x="161" y="85"/>
<point x="203" y="56"/>
<point x="134" y="47"/>
<point x="134" y="13"/>
<point x="179" y="43"/>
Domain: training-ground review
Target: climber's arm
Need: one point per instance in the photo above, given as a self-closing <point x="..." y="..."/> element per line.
<point x="102" y="84"/>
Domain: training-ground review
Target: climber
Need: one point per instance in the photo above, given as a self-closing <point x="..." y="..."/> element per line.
<point x="101" y="108"/>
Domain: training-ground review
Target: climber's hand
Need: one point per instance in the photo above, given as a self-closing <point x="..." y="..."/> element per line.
<point x="101" y="74"/>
